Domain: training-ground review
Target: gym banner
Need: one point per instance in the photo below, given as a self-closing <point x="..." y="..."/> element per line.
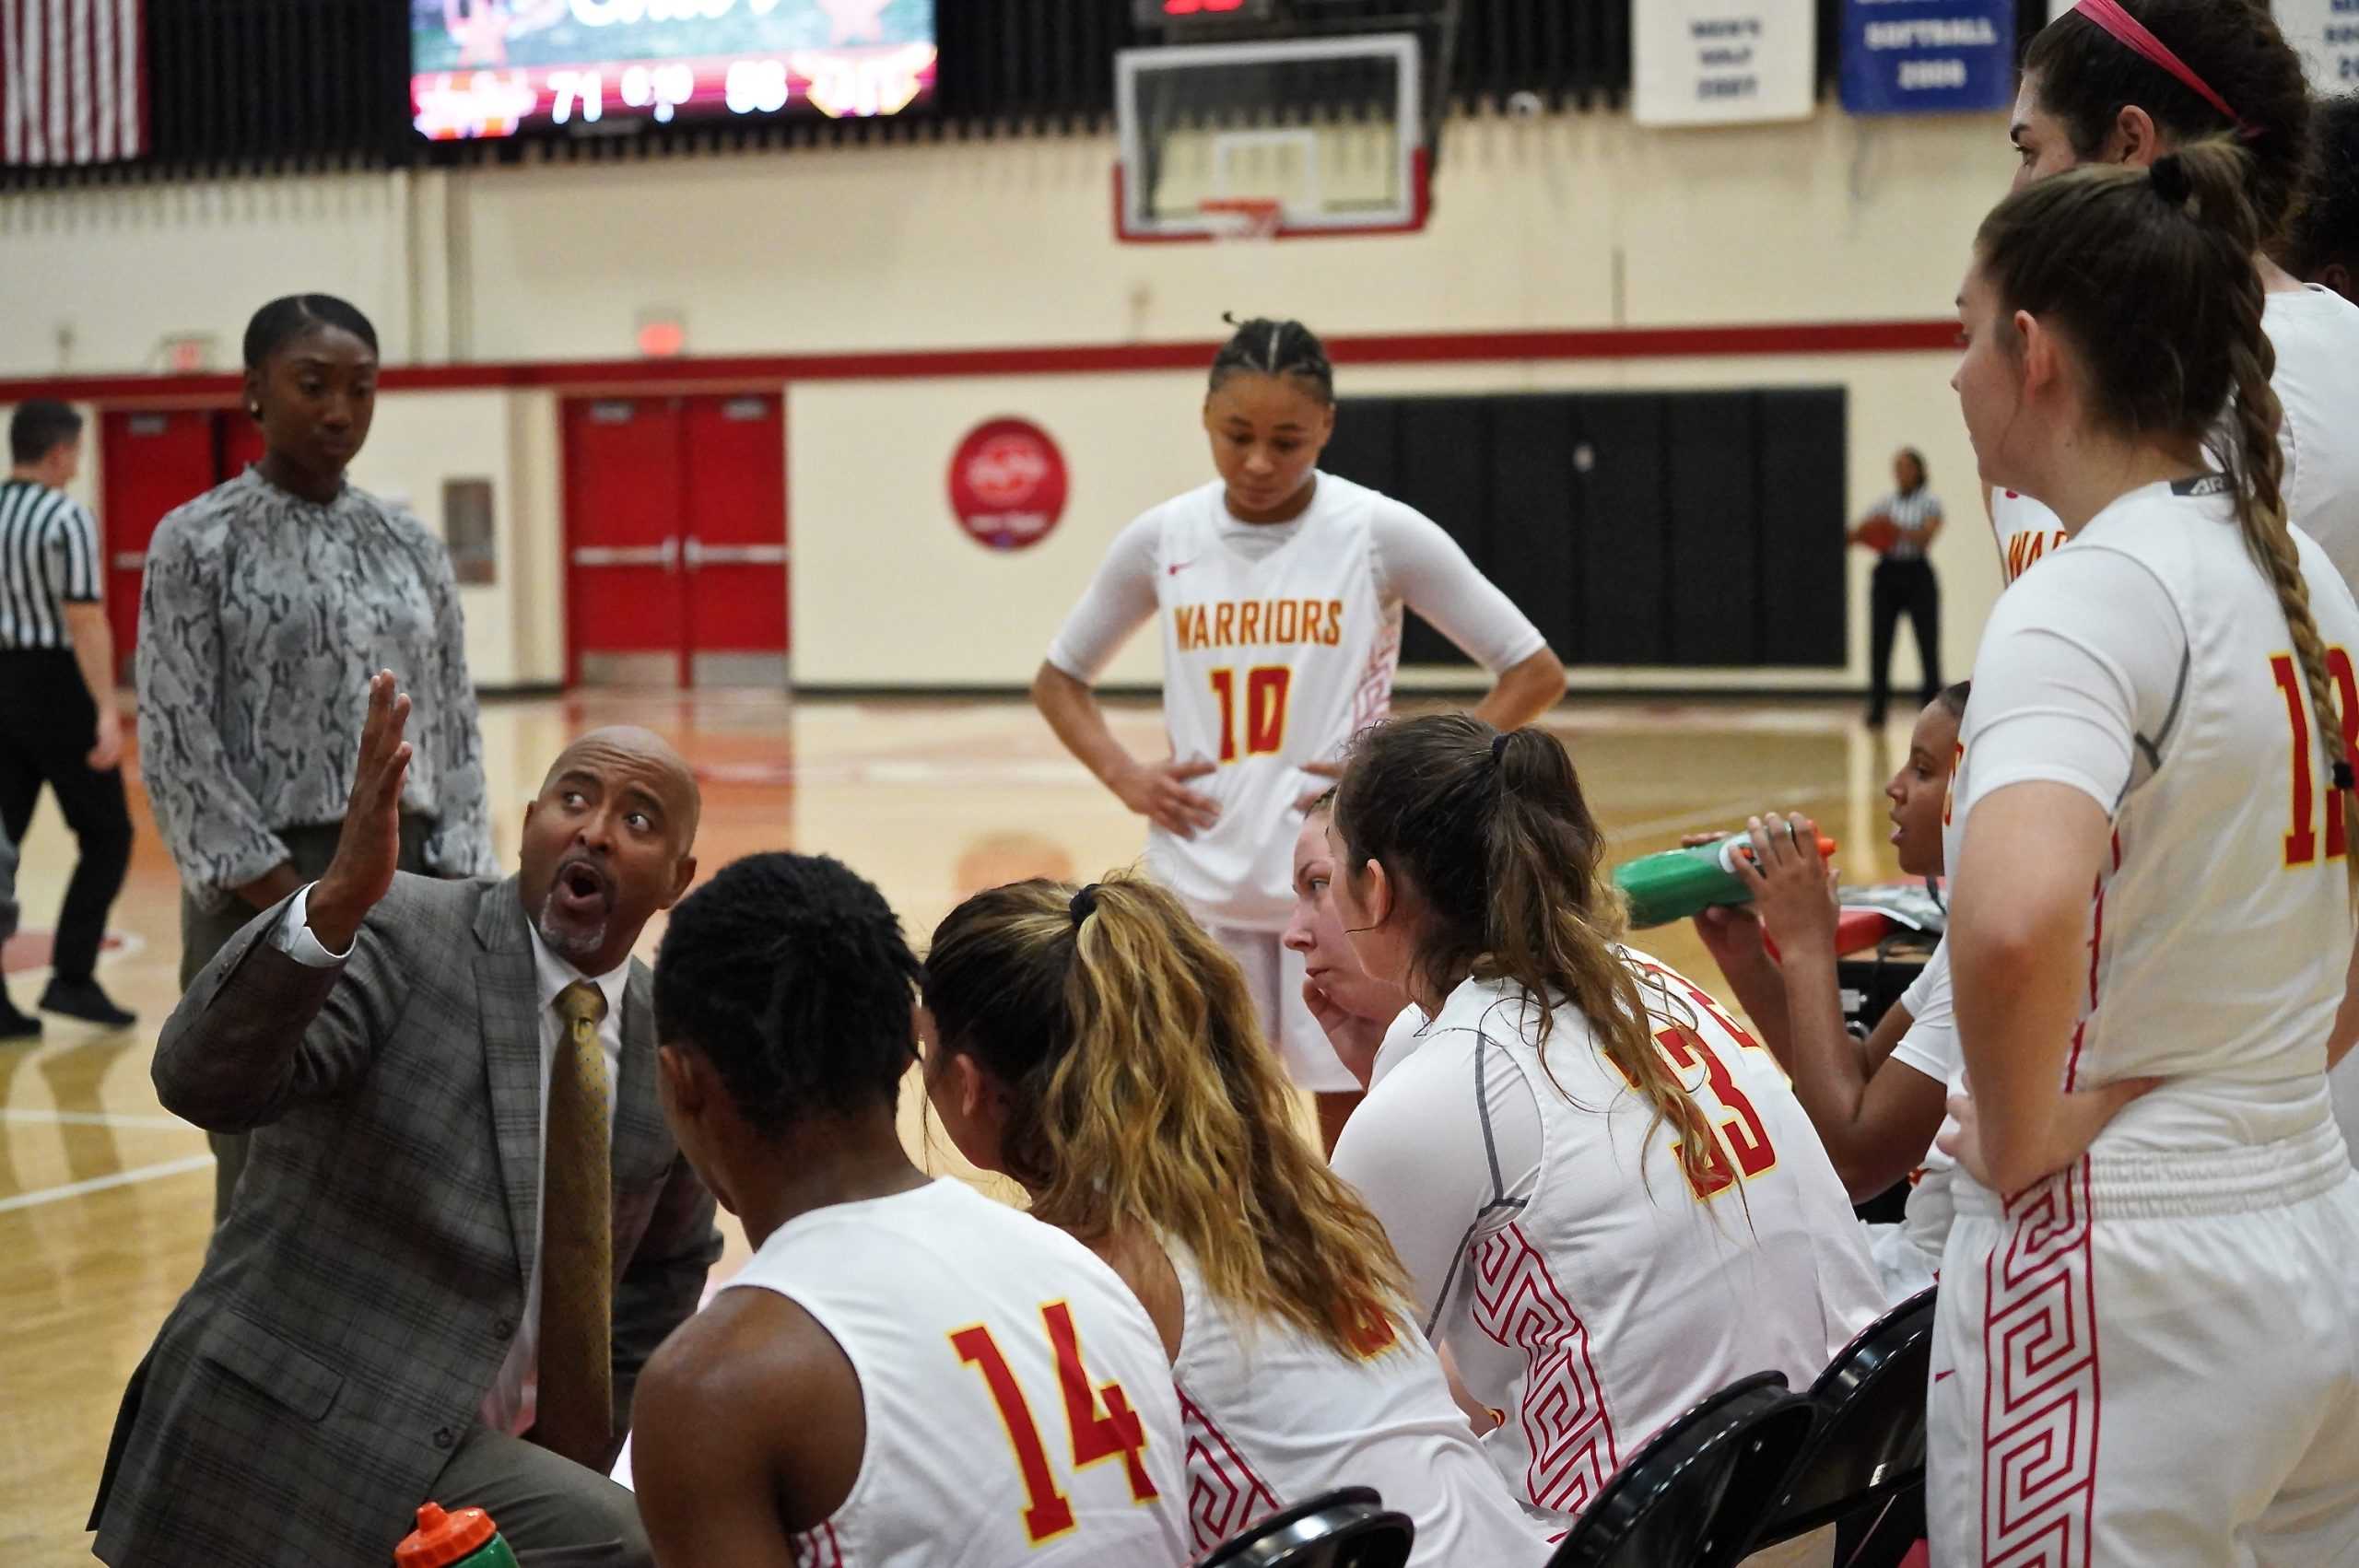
<point x="1928" y="56"/>
<point x="1722" y="61"/>
<point x="2327" y="34"/>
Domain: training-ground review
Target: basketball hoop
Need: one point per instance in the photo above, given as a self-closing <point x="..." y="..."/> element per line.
<point x="1242" y="218"/>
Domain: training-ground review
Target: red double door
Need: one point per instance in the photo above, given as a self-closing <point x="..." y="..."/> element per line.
<point x="675" y="539"/>
<point x="150" y="462"/>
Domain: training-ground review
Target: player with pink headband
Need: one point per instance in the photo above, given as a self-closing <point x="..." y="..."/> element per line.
<point x="2126" y="81"/>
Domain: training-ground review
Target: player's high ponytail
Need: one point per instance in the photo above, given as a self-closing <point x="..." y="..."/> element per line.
<point x="1495" y="837"/>
<point x="2103" y="253"/>
<point x="1142" y="1098"/>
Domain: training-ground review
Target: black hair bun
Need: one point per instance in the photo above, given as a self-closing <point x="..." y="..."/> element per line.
<point x="2170" y="181"/>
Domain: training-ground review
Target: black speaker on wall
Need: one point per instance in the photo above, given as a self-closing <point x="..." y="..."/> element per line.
<point x="1679" y="530"/>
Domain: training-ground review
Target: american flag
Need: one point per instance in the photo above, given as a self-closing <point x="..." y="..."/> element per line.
<point x="73" y="81"/>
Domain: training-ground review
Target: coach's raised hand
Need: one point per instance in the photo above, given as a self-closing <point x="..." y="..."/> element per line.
<point x="370" y="846"/>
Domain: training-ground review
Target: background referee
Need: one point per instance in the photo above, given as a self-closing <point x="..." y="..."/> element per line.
<point x="1901" y="527"/>
<point x="59" y="724"/>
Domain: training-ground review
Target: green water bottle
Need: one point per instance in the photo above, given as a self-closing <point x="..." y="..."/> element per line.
<point x="1677" y="882"/>
<point x="464" y="1539"/>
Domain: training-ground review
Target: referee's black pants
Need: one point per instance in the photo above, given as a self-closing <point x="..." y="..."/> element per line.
<point x="1902" y="587"/>
<point x="48" y="724"/>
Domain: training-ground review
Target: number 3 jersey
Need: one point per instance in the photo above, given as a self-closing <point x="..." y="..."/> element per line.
<point x="2150" y="668"/>
<point x="1279" y="644"/>
<point x="1019" y="1406"/>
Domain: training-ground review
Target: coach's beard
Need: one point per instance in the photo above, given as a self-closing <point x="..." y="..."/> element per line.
<point x="577" y="943"/>
<point x="577" y="909"/>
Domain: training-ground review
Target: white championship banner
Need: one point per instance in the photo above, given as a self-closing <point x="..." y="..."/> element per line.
<point x="1722" y="61"/>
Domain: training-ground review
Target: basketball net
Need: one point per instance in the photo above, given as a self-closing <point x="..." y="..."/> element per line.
<point x="1242" y="218"/>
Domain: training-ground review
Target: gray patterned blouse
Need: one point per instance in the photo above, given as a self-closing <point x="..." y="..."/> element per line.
<point x="263" y="618"/>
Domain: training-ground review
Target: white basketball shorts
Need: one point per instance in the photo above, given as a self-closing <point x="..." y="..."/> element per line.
<point x="2153" y="1360"/>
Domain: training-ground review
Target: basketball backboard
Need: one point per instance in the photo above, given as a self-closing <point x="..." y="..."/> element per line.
<point x="1330" y="129"/>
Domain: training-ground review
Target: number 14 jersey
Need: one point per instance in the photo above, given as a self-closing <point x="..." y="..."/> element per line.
<point x="1019" y="1406"/>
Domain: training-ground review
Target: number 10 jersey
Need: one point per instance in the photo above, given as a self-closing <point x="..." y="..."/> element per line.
<point x="1270" y="660"/>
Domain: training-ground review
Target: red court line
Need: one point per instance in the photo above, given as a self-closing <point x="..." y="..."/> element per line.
<point x="738" y="372"/>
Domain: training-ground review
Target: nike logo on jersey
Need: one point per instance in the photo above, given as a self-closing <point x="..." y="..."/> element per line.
<point x="1176" y="568"/>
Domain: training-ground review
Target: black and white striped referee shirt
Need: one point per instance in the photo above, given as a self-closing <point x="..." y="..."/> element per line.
<point x="1913" y="513"/>
<point x="48" y="558"/>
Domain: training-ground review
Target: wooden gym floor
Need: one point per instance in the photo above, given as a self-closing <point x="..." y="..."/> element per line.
<point x="105" y="1197"/>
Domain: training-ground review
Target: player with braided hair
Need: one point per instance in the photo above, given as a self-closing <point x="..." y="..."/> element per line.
<point x="2127" y="81"/>
<point x="2153" y="829"/>
<point x="1279" y="589"/>
<point x="907" y="1373"/>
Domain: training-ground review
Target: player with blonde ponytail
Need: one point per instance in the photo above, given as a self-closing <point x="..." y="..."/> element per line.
<point x="1097" y="1046"/>
<point x="2150" y="928"/>
<point x="1608" y="1197"/>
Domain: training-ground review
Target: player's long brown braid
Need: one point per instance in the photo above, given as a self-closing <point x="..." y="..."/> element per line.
<point x="1510" y="866"/>
<point x="2105" y="253"/>
<point x="1143" y="1102"/>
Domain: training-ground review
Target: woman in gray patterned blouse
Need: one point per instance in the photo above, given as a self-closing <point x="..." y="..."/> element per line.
<point x="269" y="603"/>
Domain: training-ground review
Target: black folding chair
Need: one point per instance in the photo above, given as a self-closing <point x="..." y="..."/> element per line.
<point x="1348" y="1529"/>
<point x="1870" y="1444"/>
<point x="1695" y="1494"/>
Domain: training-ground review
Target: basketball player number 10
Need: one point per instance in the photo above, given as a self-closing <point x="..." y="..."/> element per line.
<point x="2301" y="843"/>
<point x="1265" y="710"/>
<point x="1095" y="1437"/>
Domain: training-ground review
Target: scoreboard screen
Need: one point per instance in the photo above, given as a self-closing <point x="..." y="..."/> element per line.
<point x="496" y="67"/>
<point x="1156" y="14"/>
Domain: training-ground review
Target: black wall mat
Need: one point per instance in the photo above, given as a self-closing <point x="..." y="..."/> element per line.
<point x="1686" y="530"/>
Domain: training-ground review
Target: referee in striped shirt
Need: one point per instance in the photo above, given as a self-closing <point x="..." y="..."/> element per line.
<point x="59" y="721"/>
<point x="1904" y="582"/>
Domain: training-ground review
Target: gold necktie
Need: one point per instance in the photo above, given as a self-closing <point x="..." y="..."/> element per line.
<point x="577" y="1399"/>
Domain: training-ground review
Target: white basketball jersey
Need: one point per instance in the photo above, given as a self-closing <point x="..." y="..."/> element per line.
<point x="2025" y="531"/>
<point x="1274" y="1416"/>
<point x="1622" y="1294"/>
<point x="1268" y="663"/>
<point x="2315" y="333"/>
<point x="2220" y="925"/>
<point x="999" y="1362"/>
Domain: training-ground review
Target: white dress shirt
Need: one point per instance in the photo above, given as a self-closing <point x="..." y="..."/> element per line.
<point x="515" y="1397"/>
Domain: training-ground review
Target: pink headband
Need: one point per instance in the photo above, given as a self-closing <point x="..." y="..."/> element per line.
<point x="2133" y="33"/>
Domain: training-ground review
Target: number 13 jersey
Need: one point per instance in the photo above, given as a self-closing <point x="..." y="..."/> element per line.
<point x="1280" y="641"/>
<point x="2149" y="667"/>
<point x="1019" y="1406"/>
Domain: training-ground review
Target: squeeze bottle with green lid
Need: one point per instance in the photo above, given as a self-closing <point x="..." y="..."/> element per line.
<point x="464" y="1539"/>
<point x="1677" y="882"/>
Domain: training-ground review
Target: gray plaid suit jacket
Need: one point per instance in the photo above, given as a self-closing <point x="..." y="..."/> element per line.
<point x="357" y="1303"/>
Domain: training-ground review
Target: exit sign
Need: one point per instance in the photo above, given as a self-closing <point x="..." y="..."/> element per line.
<point x="1163" y="13"/>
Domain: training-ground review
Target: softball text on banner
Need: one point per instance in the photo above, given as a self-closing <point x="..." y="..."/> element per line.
<point x="1928" y="56"/>
<point x="73" y="81"/>
<point x="1721" y="61"/>
<point x="2327" y="34"/>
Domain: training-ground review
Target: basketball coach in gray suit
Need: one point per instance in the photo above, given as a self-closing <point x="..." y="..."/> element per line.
<point x="464" y="1227"/>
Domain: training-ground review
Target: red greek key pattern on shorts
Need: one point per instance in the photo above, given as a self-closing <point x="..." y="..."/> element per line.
<point x="1224" y="1495"/>
<point x="819" y="1549"/>
<point x="2039" y="1409"/>
<point x="1564" y="1422"/>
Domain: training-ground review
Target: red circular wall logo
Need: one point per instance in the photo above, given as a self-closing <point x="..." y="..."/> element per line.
<point x="1008" y="483"/>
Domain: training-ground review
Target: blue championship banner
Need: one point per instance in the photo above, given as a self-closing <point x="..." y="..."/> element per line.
<point x="1928" y="56"/>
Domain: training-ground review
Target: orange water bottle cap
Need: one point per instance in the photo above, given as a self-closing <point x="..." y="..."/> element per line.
<point x="443" y="1538"/>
